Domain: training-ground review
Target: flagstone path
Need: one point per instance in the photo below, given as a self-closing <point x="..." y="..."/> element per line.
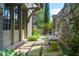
<point x="36" y="48"/>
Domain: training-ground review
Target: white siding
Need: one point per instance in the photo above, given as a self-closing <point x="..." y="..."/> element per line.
<point x="6" y="38"/>
<point x="16" y="36"/>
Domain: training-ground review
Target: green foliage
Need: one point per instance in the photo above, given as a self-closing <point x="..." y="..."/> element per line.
<point x="35" y="32"/>
<point x="10" y="52"/>
<point x="33" y="38"/>
<point x="6" y="52"/>
<point x="47" y="26"/>
<point x="64" y="47"/>
<point x="35" y="35"/>
<point x="73" y="43"/>
<point x="70" y="45"/>
<point x="46" y="13"/>
<point x="39" y="18"/>
<point x="53" y="46"/>
<point x="19" y="53"/>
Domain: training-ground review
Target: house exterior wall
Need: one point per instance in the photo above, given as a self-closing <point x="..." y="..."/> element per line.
<point x="6" y="38"/>
<point x="11" y="36"/>
<point x="16" y="36"/>
<point x="1" y="25"/>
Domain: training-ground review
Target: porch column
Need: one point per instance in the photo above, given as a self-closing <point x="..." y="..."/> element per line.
<point x="12" y="23"/>
<point x="20" y="21"/>
<point x="25" y="24"/>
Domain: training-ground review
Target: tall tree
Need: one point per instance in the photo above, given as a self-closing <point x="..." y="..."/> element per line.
<point x="46" y="13"/>
<point x="39" y="18"/>
<point x="46" y="18"/>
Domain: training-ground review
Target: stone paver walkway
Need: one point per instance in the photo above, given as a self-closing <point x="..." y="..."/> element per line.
<point x="25" y="47"/>
<point x="34" y="48"/>
<point x="29" y="48"/>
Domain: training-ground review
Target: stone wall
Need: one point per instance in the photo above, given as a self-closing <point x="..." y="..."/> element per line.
<point x="54" y="23"/>
<point x="65" y="19"/>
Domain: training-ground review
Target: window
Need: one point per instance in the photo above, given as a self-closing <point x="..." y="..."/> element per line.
<point x="16" y="17"/>
<point x="6" y="19"/>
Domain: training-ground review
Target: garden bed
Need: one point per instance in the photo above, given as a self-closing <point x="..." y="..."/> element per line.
<point x="51" y="50"/>
<point x="10" y="52"/>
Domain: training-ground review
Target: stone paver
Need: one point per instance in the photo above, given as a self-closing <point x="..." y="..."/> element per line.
<point x="29" y="46"/>
<point x="35" y="51"/>
<point x="25" y="47"/>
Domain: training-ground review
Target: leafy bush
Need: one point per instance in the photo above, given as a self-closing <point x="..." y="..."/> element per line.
<point x="71" y="43"/>
<point x="47" y="26"/>
<point x="10" y="52"/>
<point x="33" y="38"/>
<point x="35" y="35"/>
<point x="35" y="32"/>
<point x="6" y="52"/>
<point x="63" y="47"/>
<point x="39" y="19"/>
<point x="53" y="46"/>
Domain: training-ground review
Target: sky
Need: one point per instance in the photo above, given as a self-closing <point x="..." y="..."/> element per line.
<point x="55" y="8"/>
